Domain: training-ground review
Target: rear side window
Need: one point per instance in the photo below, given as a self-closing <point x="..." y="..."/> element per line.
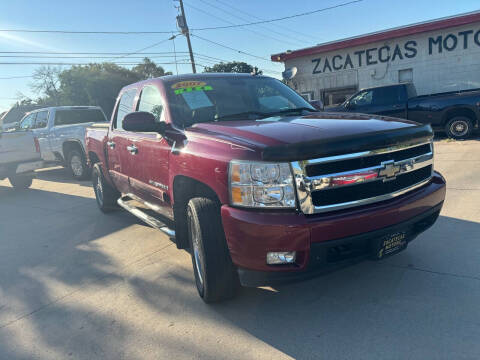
<point x="385" y="96"/>
<point x="363" y="98"/>
<point x="124" y="107"/>
<point x="42" y="120"/>
<point x="78" y="116"/>
<point x="28" y="122"/>
<point x="151" y="101"/>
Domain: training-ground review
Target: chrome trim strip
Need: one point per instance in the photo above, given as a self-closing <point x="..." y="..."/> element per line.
<point x="324" y="181"/>
<point x="365" y="153"/>
<point x="320" y="209"/>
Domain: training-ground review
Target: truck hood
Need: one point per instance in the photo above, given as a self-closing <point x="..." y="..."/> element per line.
<point x="283" y="130"/>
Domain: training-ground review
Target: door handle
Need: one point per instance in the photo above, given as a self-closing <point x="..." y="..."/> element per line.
<point x="111" y="144"/>
<point x="132" y="149"/>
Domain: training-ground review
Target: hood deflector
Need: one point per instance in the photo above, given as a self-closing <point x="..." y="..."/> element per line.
<point x="348" y="144"/>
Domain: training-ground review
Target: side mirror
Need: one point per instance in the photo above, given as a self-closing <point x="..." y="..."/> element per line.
<point x="317" y="104"/>
<point x="142" y="121"/>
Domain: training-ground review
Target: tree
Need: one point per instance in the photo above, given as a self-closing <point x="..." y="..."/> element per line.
<point x="46" y="82"/>
<point x="93" y="84"/>
<point x="232" y="67"/>
<point x="148" y="69"/>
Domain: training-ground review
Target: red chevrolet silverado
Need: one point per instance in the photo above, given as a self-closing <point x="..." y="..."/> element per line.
<point x="260" y="186"/>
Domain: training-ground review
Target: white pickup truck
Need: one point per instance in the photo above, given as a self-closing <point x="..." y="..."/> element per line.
<point x="61" y="134"/>
<point x="19" y="157"/>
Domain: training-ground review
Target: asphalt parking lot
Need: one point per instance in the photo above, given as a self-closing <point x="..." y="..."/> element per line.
<point x="75" y="283"/>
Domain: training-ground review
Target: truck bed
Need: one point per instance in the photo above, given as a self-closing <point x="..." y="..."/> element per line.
<point x="95" y="137"/>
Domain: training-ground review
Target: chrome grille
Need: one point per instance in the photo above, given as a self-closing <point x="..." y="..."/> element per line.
<point x="344" y="181"/>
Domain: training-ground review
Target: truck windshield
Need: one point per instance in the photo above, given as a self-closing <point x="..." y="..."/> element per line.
<point x="223" y="99"/>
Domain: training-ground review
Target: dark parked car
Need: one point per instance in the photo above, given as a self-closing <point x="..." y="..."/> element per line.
<point x="456" y="112"/>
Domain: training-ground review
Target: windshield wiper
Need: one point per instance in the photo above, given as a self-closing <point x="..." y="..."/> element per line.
<point x="288" y="111"/>
<point x="260" y="115"/>
<point x="242" y="115"/>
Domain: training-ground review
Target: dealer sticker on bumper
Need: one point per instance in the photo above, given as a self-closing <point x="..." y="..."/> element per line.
<point x="391" y="244"/>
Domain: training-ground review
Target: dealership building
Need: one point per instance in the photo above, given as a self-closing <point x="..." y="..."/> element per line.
<point x="437" y="56"/>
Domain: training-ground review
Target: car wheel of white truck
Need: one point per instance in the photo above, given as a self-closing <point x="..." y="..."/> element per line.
<point x="77" y="164"/>
<point x="459" y="127"/>
<point x="105" y="195"/>
<point x="21" y="182"/>
<point x="215" y="275"/>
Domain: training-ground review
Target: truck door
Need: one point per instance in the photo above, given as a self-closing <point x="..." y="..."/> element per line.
<point x="19" y="145"/>
<point x="42" y="132"/>
<point x="149" y="153"/>
<point x="118" y="158"/>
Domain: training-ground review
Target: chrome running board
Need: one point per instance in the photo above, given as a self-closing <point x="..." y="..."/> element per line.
<point x="150" y="220"/>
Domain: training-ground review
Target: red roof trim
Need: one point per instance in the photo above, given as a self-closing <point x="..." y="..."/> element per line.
<point x="380" y="36"/>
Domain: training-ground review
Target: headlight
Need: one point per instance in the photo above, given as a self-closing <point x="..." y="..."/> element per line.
<point x="258" y="184"/>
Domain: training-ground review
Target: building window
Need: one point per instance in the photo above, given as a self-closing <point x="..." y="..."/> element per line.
<point x="307" y="95"/>
<point x="405" y="75"/>
<point x="338" y="96"/>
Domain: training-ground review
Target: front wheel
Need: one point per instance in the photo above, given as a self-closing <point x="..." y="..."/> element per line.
<point x="77" y="164"/>
<point x="215" y="275"/>
<point x="459" y="127"/>
<point x="21" y="182"/>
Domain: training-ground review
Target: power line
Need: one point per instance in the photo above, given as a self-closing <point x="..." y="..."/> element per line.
<point x="142" y="49"/>
<point x="263" y="27"/>
<point x="259" y="18"/>
<point x="15" y="77"/>
<point x="280" y="19"/>
<point x="82" y="57"/>
<point x="230" y="48"/>
<point x="85" y="63"/>
<point x="86" y="32"/>
<point x="197" y="29"/>
<point x="88" y="53"/>
<point x="231" y="23"/>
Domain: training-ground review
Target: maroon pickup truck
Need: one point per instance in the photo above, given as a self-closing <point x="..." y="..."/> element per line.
<point x="260" y="186"/>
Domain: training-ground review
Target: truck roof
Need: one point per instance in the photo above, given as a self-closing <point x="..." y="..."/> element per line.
<point x="66" y="108"/>
<point x="385" y="86"/>
<point x="184" y="77"/>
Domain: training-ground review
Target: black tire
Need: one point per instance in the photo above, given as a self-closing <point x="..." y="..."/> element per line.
<point x="21" y="182"/>
<point x="105" y="195"/>
<point x="215" y="275"/>
<point x="459" y="127"/>
<point x="77" y="164"/>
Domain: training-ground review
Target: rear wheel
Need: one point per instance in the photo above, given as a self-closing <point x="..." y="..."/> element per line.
<point x="215" y="275"/>
<point x="105" y="195"/>
<point x="21" y="182"/>
<point x="459" y="127"/>
<point x="77" y="164"/>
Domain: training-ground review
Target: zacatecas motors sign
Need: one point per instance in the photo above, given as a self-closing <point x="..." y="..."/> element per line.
<point x="387" y="53"/>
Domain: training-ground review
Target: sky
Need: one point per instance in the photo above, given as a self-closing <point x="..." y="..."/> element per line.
<point x="259" y="41"/>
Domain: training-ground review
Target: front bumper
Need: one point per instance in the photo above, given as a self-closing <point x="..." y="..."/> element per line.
<point x="251" y="234"/>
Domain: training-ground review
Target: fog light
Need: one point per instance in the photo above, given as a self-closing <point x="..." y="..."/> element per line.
<point x="283" y="257"/>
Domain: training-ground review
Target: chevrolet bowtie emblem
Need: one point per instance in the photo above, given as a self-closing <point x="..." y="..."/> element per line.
<point x="389" y="171"/>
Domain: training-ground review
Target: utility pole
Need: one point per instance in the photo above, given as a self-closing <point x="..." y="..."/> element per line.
<point x="182" y="24"/>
